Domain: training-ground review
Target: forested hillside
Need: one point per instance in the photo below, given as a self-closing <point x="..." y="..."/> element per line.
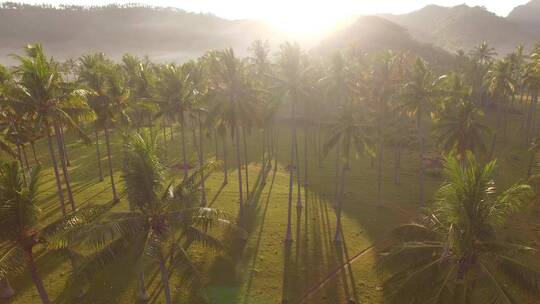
<point x="162" y="33"/>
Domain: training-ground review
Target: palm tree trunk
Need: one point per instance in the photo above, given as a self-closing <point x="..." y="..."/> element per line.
<point x="530" y="121"/>
<point x="493" y="143"/>
<point x="421" y="137"/>
<point x="165" y="279"/>
<point x="36" y="278"/>
<point x="19" y="158"/>
<point x="318" y="142"/>
<point x="296" y="158"/>
<point x="63" y="162"/>
<point x="143" y="294"/>
<point x="25" y="157"/>
<point x="246" y="159"/>
<point x="6" y="291"/>
<point x="336" y="178"/>
<point x="68" y="163"/>
<point x="379" y="172"/>
<point x="397" y="164"/>
<point x="183" y="138"/>
<point x="100" y="168"/>
<point x="109" y="159"/>
<point x="225" y="161"/>
<point x="34" y="152"/>
<point x="201" y="153"/>
<point x="292" y="168"/>
<point x="337" y="236"/>
<point x="531" y="164"/>
<point x="239" y="165"/>
<point x="60" y="191"/>
<point x="216" y="143"/>
<point x="305" y="156"/>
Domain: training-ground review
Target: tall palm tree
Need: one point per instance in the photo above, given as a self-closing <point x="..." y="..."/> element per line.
<point x="348" y="130"/>
<point x="457" y="123"/>
<point x="114" y="113"/>
<point x="161" y="211"/>
<point x="418" y="98"/>
<point x="233" y="105"/>
<point x="175" y="99"/>
<point x="383" y="83"/>
<point x="501" y="86"/>
<point x="22" y="226"/>
<point x="531" y="82"/>
<point x="93" y="72"/>
<point x="462" y="250"/>
<point x="53" y="104"/>
<point x="484" y="54"/>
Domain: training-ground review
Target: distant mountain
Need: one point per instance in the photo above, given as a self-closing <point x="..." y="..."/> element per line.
<point x="528" y="17"/>
<point x="371" y="33"/>
<point x="463" y="27"/>
<point x="163" y="34"/>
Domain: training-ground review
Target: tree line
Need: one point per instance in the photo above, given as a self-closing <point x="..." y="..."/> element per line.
<point x="352" y="104"/>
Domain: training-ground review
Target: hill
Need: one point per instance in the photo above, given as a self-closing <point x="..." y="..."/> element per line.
<point x="371" y="33"/>
<point x="528" y="17"/>
<point x="161" y="33"/>
<point x="463" y="27"/>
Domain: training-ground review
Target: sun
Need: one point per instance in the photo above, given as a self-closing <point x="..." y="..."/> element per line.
<point x="303" y="17"/>
<point x="304" y="24"/>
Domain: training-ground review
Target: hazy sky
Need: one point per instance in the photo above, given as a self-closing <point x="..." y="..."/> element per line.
<point x="301" y="15"/>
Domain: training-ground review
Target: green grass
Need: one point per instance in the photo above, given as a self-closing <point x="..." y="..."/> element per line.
<point x="257" y="272"/>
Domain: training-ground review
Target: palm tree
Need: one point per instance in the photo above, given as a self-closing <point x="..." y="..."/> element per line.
<point x="383" y="84"/>
<point x="418" y="96"/>
<point x="500" y="85"/>
<point x="114" y="113"/>
<point x="348" y="131"/>
<point x="233" y="104"/>
<point x="160" y="211"/>
<point x="93" y="72"/>
<point x="531" y="81"/>
<point x="484" y="54"/>
<point x="457" y="124"/>
<point x="175" y="100"/>
<point x="52" y="103"/>
<point x="462" y="250"/>
<point x="22" y="226"/>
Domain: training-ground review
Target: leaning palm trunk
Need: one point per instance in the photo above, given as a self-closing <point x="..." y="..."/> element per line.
<point x="225" y="161"/>
<point x="379" y="172"/>
<point x="32" y="144"/>
<point x="421" y="138"/>
<point x="36" y="278"/>
<point x="68" y="163"/>
<point x="100" y="168"/>
<point x="201" y="158"/>
<point x="109" y="159"/>
<point x="183" y="136"/>
<point x="6" y="291"/>
<point x="60" y="191"/>
<point x="239" y="165"/>
<point x="25" y="157"/>
<point x="246" y="159"/>
<point x="63" y="162"/>
<point x="165" y="279"/>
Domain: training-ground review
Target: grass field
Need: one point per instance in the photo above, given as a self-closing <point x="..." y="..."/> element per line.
<point x="257" y="272"/>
